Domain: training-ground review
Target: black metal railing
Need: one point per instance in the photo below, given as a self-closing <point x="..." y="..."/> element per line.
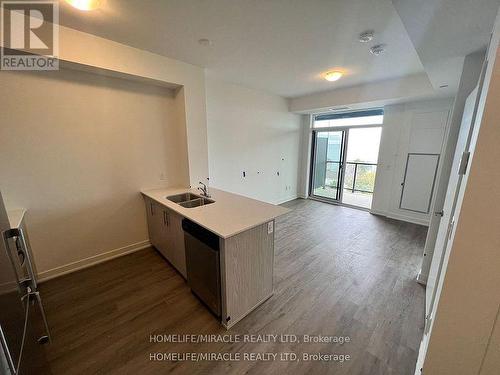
<point x="359" y="176"/>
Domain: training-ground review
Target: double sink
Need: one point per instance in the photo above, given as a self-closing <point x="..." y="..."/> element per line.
<point x="189" y="200"/>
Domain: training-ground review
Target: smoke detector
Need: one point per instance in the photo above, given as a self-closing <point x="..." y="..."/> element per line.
<point x="378" y="49"/>
<point x="366" y="36"/>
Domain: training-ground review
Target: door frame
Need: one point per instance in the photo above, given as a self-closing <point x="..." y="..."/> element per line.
<point x="340" y="174"/>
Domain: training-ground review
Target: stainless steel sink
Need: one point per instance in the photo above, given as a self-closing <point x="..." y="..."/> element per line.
<point x="189" y="200"/>
<point x="184" y="197"/>
<point x="196" y="202"/>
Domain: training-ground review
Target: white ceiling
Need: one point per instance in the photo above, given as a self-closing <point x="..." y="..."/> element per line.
<point x="444" y="31"/>
<point x="282" y="46"/>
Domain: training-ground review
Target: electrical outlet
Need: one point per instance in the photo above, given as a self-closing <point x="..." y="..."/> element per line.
<point x="270" y="227"/>
<point x="163" y="176"/>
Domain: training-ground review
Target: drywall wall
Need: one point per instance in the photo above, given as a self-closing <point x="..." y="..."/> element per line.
<point x="468" y="299"/>
<point x="415" y="127"/>
<point x="305" y="156"/>
<point x="75" y="150"/>
<point x="88" y="52"/>
<point x="252" y="132"/>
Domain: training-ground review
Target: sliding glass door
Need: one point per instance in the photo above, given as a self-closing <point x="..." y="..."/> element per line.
<point x="344" y="165"/>
<point x="361" y="166"/>
<point x="344" y="158"/>
<point x="327" y="162"/>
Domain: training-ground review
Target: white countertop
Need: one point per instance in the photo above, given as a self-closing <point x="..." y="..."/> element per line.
<point x="230" y="214"/>
<point x="16" y="217"/>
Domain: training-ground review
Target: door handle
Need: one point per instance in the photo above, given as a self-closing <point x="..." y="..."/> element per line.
<point x="6" y="235"/>
<point x="439" y="213"/>
<point x="29" y="261"/>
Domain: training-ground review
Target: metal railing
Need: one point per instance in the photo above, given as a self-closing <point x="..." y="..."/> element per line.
<point x="356" y="176"/>
<point x="351" y="178"/>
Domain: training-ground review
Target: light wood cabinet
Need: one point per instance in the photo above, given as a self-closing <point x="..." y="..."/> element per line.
<point x="166" y="234"/>
<point x="154" y="222"/>
<point x="176" y="237"/>
<point x="246" y="272"/>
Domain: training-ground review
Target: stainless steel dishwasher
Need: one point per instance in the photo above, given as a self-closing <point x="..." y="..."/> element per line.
<point x="202" y="264"/>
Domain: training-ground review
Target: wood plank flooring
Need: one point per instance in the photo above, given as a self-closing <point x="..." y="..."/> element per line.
<point x="338" y="271"/>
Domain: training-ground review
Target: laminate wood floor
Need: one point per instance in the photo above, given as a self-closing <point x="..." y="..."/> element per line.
<point x="338" y="271"/>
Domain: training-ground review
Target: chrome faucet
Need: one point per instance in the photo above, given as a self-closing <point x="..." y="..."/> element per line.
<point x="204" y="190"/>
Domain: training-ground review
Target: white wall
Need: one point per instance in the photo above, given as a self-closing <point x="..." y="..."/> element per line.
<point x="105" y="58"/>
<point x="305" y="156"/>
<point x="410" y="127"/>
<point x="88" y="52"/>
<point x="75" y="150"/>
<point x="252" y="131"/>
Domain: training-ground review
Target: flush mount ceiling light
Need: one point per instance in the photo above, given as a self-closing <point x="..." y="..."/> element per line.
<point x="366" y="36"/>
<point x="84" y="4"/>
<point x="378" y="49"/>
<point x="333" y="75"/>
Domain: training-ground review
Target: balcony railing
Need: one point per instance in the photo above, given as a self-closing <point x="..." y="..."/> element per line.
<point x="360" y="176"/>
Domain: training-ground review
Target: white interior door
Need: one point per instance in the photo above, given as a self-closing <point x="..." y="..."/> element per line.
<point x="450" y="200"/>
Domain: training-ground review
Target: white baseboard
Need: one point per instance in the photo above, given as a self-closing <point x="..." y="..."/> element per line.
<point x="91" y="261"/>
<point x="408" y="219"/>
<point x="286" y="199"/>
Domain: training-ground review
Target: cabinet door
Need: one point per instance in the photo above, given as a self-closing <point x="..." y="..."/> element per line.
<point x="166" y="234"/>
<point x="177" y="238"/>
<point x="166" y="242"/>
<point x="153" y="215"/>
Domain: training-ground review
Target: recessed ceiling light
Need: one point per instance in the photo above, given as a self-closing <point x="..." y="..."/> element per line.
<point x="333" y="75"/>
<point x="84" y="4"/>
<point x="378" y="49"/>
<point x="205" y="42"/>
<point x="366" y="36"/>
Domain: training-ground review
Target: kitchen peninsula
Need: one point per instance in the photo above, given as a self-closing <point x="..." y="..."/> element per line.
<point x="243" y="229"/>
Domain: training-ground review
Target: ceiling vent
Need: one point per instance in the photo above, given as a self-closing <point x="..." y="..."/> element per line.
<point x="378" y="49"/>
<point x="366" y="36"/>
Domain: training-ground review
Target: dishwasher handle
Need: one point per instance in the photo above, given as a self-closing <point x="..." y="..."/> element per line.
<point x="204" y="235"/>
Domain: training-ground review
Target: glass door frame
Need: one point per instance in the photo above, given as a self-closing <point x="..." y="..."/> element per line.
<point x="340" y="173"/>
<point x="345" y="140"/>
